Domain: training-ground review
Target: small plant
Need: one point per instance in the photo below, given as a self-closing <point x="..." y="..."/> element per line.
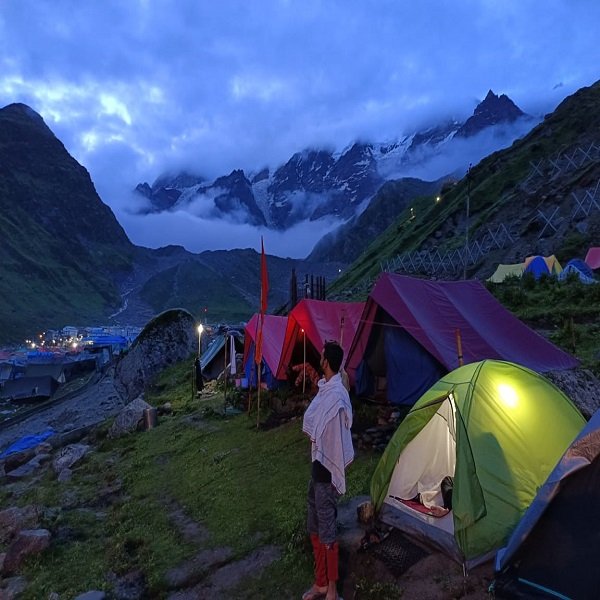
<point x="369" y="590"/>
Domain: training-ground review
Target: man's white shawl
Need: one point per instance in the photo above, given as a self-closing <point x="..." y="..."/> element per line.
<point x="327" y="421"/>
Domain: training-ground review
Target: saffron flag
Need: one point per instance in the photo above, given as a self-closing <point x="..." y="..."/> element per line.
<point x="264" y="292"/>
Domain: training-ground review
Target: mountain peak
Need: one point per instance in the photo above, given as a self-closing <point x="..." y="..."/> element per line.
<point x="492" y="110"/>
<point x="23" y="114"/>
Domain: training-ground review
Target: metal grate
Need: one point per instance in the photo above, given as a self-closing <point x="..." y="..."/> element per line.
<point x="397" y="553"/>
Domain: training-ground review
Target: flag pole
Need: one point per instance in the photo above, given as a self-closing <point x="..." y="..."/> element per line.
<point x="258" y="388"/>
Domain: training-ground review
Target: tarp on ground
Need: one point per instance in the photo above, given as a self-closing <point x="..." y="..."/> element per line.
<point x="432" y="312"/>
<point x="273" y="334"/>
<point x="319" y="321"/>
<point x="592" y="258"/>
<point x="554" y="549"/>
<point x="27" y="441"/>
<point x="579" y="269"/>
<point x="504" y="271"/>
<point x="497" y="430"/>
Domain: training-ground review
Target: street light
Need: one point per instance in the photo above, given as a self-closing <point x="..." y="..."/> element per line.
<point x="200" y="330"/>
<point x="197" y="364"/>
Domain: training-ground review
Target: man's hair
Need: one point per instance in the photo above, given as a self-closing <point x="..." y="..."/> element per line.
<point x="333" y="353"/>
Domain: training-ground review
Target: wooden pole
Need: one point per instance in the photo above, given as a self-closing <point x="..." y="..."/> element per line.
<point x="258" y="397"/>
<point x="459" y="348"/>
<point x="225" y="378"/>
<point x="304" y="364"/>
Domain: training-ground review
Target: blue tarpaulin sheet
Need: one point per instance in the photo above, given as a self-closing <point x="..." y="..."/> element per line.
<point x="28" y="441"/>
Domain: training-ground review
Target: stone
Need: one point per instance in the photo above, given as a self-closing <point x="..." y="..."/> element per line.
<point x="16" y="459"/>
<point x="27" y="469"/>
<point x="168" y="338"/>
<point x="26" y="543"/>
<point x="12" y="587"/>
<point x="91" y="595"/>
<point x="15" y="518"/>
<point x="128" y="419"/>
<point x="131" y="586"/>
<point x="65" y="475"/>
<point x="68" y="456"/>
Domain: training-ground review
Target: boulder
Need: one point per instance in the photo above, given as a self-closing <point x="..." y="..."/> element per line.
<point x="129" y="418"/>
<point x="16" y="518"/>
<point x="581" y="386"/>
<point x="28" y="468"/>
<point x="66" y="457"/>
<point x="26" y="543"/>
<point x="91" y="595"/>
<point x="12" y="588"/>
<point x="16" y="459"/>
<point x="167" y="339"/>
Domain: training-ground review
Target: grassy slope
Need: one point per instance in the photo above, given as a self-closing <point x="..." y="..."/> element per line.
<point x="247" y="487"/>
<point x="193" y="286"/>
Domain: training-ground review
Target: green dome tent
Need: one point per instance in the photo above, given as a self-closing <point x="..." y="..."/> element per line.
<point x="497" y="429"/>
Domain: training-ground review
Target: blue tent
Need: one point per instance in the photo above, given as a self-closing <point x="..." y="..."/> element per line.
<point x="393" y="350"/>
<point x="537" y="267"/>
<point x="580" y="269"/>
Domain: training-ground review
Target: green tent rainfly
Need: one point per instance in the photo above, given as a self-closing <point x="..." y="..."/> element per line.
<point x="497" y="429"/>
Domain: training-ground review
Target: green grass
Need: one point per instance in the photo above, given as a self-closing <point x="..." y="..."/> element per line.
<point x="569" y="311"/>
<point x="246" y="486"/>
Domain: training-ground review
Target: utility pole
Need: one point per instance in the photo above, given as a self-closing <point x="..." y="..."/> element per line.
<point x="467" y="221"/>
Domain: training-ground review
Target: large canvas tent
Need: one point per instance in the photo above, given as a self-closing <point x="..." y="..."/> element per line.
<point x="410" y="329"/>
<point x="273" y="333"/>
<point x="497" y="429"/>
<point x="553" y="552"/>
<point x="317" y="321"/>
<point x="218" y="354"/>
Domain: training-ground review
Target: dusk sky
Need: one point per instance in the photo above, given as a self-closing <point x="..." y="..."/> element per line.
<point x="134" y="88"/>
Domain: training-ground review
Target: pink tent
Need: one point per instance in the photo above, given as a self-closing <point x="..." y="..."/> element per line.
<point x="431" y="313"/>
<point x="592" y="258"/>
<point x="273" y="334"/>
<point x="320" y="321"/>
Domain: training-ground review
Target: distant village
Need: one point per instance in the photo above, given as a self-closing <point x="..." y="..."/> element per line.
<point x="56" y="363"/>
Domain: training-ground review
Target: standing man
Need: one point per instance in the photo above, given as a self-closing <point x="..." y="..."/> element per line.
<point x="327" y="422"/>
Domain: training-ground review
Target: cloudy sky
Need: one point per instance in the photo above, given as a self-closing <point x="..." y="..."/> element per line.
<point x="138" y="87"/>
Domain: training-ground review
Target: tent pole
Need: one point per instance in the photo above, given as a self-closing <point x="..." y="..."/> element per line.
<point x="304" y="364"/>
<point x="459" y="348"/>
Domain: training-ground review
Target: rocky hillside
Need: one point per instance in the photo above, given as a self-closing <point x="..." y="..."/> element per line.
<point x="65" y="259"/>
<point x="62" y="249"/>
<point x="540" y="196"/>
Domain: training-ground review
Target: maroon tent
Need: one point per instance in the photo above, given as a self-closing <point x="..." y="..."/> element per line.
<point x="434" y="314"/>
<point x="320" y="321"/>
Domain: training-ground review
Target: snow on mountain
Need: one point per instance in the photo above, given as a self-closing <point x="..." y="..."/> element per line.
<point x="318" y="183"/>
